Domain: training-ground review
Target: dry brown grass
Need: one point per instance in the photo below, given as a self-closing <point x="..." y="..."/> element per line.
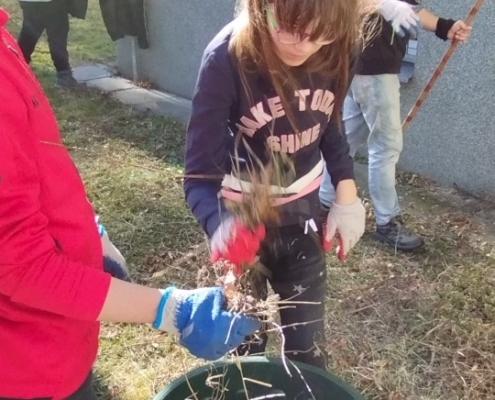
<point x="414" y="327"/>
<point x="418" y="326"/>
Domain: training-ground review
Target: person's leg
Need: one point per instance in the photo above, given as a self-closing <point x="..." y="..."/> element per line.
<point x="356" y="132"/>
<point x="57" y="31"/>
<point x="85" y="392"/>
<point x="31" y="30"/>
<point x="379" y="97"/>
<point x="299" y="275"/>
<point x="380" y="103"/>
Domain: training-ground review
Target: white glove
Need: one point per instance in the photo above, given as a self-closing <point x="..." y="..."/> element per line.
<point x="402" y="16"/>
<point x="349" y="222"/>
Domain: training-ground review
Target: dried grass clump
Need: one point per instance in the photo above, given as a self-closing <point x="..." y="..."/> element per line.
<point x="256" y="208"/>
<point x="242" y="293"/>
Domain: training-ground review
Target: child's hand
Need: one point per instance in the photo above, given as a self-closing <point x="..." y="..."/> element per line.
<point x="460" y="31"/>
<point x="197" y="317"/>
<point x="113" y="261"/>
<point x="234" y="242"/>
<point x="348" y="221"/>
<point x="401" y="15"/>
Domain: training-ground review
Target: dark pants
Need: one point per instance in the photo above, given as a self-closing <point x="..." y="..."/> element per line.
<point x="53" y="17"/>
<point x="296" y="262"/>
<point x="85" y="392"/>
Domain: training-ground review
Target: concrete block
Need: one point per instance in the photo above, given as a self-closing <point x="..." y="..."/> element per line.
<point x="127" y="92"/>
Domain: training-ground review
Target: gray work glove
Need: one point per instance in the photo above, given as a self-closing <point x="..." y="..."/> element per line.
<point x="349" y="222"/>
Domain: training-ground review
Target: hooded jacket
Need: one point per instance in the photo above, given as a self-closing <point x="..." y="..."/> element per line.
<point x="52" y="287"/>
<point x="384" y="53"/>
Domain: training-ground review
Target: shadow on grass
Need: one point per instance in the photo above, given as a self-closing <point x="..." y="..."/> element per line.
<point x="103" y="390"/>
<point x="88" y="117"/>
<point x="132" y="166"/>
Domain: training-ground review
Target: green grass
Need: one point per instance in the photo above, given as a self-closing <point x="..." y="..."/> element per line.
<point x="400" y="327"/>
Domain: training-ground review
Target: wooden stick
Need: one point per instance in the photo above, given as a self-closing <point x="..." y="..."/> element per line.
<point x="441" y="65"/>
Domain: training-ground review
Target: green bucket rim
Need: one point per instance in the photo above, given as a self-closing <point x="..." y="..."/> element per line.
<point x="257" y="359"/>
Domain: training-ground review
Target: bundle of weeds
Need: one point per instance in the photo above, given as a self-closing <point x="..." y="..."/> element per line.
<point x="256" y="208"/>
<point x="242" y="294"/>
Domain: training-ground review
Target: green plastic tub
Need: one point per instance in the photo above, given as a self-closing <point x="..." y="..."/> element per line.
<point x="226" y="378"/>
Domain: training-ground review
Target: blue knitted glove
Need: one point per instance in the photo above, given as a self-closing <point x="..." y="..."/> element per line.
<point x="113" y="262"/>
<point x="202" y="325"/>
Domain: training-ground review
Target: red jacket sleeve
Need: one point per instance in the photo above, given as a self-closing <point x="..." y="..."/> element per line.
<point x="33" y="271"/>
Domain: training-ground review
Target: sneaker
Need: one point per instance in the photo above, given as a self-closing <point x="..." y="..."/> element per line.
<point x="398" y="236"/>
<point x="65" y="79"/>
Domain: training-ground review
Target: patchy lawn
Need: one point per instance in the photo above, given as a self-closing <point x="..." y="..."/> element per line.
<point x="420" y="326"/>
<point x="417" y="326"/>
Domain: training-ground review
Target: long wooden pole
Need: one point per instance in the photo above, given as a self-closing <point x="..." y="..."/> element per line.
<point x="438" y="70"/>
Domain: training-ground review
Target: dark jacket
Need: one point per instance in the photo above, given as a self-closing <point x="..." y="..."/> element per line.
<point x="384" y="54"/>
<point x="125" y="18"/>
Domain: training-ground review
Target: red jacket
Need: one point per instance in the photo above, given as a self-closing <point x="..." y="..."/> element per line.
<point x="52" y="286"/>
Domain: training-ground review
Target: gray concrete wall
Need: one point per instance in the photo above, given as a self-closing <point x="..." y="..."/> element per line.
<point x="178" y="32"/>
<point x="452" y="139"/>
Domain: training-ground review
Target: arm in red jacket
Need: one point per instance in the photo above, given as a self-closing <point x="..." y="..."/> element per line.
<point x="33" y="271"/>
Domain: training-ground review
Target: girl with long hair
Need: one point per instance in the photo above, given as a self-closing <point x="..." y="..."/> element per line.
<point x="270" y="91"/>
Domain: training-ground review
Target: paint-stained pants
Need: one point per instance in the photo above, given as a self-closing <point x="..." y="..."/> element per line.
<point x="296" y="263"/>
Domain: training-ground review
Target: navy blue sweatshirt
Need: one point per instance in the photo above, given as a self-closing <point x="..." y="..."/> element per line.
<point x="222" y="110"/>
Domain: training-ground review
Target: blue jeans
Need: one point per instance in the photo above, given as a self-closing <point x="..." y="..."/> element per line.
<point x="372" y="114"/>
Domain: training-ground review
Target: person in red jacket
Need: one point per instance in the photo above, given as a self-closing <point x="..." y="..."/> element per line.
<point x="53" y="289"/>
